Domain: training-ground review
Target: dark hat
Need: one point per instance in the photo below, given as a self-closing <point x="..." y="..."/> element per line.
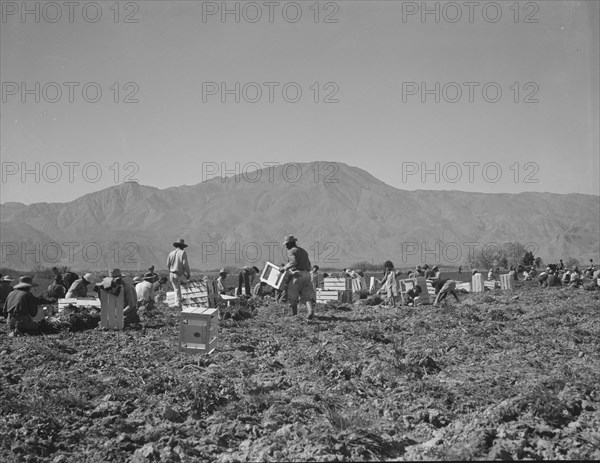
<point x="289" y="239"/>
<point x="25" y="282"/>
<point x="115" y="273"/>
<point x="180" y="243"/>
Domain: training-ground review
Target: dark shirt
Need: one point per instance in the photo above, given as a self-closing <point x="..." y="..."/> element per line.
<point x="56" y="291"/>
<point x="298" y="258"/>
<point x="21" y="302"/>
<point x="5" y="290"/>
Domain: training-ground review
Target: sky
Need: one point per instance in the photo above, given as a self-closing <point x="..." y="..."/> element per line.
<point x="494" y="97"/>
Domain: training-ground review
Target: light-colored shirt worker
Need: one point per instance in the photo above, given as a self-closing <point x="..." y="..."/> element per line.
<point x="179" y="268"/>
<point x="177" y="263"/>
<point x="79" y="288"/>
<point x="144" y="292"/>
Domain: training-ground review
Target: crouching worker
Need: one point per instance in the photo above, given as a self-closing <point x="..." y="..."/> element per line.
<point x="443" y="288"/>
<point x="299" y="286"/>
<point x="413" y="294"/>
<point x="145" y="292"/>
<point x="21" y="306"/>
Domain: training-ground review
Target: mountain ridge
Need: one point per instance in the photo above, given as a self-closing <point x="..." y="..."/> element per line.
<point x="354" y="217"/>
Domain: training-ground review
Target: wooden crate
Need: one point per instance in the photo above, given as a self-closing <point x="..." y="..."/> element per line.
<point x="507" y="282"/>
<point x="79" y="302"/>
<point x="337" y="284"/>
<point x="198" y="330"/>
<point x="331" y="295"/>
<point x="357" y="285"/>
<point x="477" y="283"/>
<point x="466" y="286"/>
<point x="430" y="288"/>
<point x="426" y="297"/>
<point x="490" y="284"/>
<point x="111" y="311"/>
<point x="196" y="293"/>
<point x="271" y="275"/>
<point x="373" y="286"/>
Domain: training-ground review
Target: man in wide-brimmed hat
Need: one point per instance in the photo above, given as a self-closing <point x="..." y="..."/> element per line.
<point x="299" y="286"/>
<point x="179" y="268"/>
<point x="21" y="306"/>
<point x="79" y="288"/>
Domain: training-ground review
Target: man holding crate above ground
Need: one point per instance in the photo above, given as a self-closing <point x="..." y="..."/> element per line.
<point x="179" y="268"/>
<point x="299" y="286"/>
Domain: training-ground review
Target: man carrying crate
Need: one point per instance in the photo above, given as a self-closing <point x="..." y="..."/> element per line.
<point x="299" y="286"/>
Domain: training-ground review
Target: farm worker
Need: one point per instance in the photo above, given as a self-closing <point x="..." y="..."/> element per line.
<point x="154" y="275"/>
<point x="262" y="289"/>
<point x="442" y="288"/>
<point x="491" y="274"/>
<point x="246" y="278"/>
<point x="434" y="273"/>
<point x="130" y="314"/>
<point x="68" y="279"/>
<point x="5" y="288"/>
<point x="158" y="285"/>
<point x="179" y="268"/>
<point x="553" y="279"/>
<point x="566" y="278"/>
<point x="389" y="284"/>
<point x="58" y="278"/>
<point x="314" y="276"/>
<point x="596" y="276"/>
<point x="575" y="280"/>
<point x="55" y="289"/>
<point x="299" y="285"/>
<point x="561" y="265"/>
<point x="412" y="294"/>
<point x="144" y="291"/>
<point x="79" y="288"/>
<point x="21" y="306"/>
<point x="543" y="277"/>
<point x="221" y="288"/>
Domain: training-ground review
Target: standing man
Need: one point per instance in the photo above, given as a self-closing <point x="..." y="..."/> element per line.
<point x="299" y="286"/>
<point x="246" y="278"/>
<point x="79" y="288"/>
<point x="179" y="268"/>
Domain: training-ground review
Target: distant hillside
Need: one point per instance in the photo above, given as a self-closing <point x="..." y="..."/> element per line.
<point x="242" y="220"/>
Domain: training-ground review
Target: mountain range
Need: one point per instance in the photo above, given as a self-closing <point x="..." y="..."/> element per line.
<point x="340" y="214"/>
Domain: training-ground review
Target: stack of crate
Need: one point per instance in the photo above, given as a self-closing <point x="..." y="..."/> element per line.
<point x="335" y="289"/>
<point x="199" y="293"/>
<point x="198" y="330"/>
